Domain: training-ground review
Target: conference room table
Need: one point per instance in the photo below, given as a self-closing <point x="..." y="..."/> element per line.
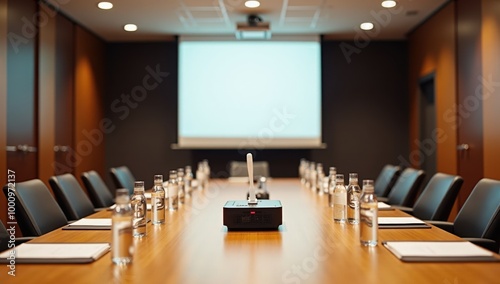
<point x="193" y="246"/>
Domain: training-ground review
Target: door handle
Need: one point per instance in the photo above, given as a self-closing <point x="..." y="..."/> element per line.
<point x="61" y="148"/>
<point x="463" y="147"/>
<point x="25" y="148"/>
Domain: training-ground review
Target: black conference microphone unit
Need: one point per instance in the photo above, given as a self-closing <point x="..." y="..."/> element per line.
<point x="252" y="214"/>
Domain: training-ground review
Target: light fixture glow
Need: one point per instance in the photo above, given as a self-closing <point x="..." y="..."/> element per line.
<point x="105" y="5"/>
<point x="130" y="27"/>
<point x="366" y="26"/>
<point x="252" y="4"/>
<point x="389" y="4"/>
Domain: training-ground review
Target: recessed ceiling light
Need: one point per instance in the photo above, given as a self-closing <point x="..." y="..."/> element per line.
<point x="130" y="27"/>
<point x="389" y="4"/>
<point x="105" y="5"/>
<point x="252" y="4"/>
<point x="366" y="26"/>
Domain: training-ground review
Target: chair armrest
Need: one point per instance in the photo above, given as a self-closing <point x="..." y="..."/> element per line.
<point x="485" y="243"/>
<point x="20" y="240"/>
<point x="405" y="209"/>
<point x="100" y="209"/>
<point x="382" y="199"/>
<point x="447" y="226"/>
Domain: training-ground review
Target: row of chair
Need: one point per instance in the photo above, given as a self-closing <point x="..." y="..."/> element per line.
<point x="38" y="212"/>
<point x="478" y="220"/>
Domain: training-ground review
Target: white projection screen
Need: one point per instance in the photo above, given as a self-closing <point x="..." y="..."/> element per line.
<point x="249" y="94"/>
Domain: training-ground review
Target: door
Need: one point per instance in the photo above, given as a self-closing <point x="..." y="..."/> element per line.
<point x="21" y="92"/>
<point x="469" y="109"/>
<point x="427" y="126"/>
<point x="64" y="96"/>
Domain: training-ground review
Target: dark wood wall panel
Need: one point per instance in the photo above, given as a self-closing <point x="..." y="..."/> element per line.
<point x="469" y="108"/>
<point x="365" y="107"/>
<point x="21" y="87"/>
<point x="3" y="105"/>
<point x="89" y="130"/>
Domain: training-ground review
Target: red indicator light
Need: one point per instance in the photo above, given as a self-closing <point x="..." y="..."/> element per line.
<point x="252" y="212"/>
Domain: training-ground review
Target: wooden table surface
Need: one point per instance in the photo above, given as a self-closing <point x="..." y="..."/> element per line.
<point x="194" y="247"/>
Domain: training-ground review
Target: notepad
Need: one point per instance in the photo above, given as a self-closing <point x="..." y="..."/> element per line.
<point x="449" y="251"/>
<point x="55" y="252"/>
<point x="401" y="223"/>
<point x="90" y="224"/>
<point x="384" y="206"/>
<point x="112" y="207"/>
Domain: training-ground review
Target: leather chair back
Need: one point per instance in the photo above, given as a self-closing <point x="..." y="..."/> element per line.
<point x="480" y="214"/>
<point x="37" y="212"/>
<point x="71" y="197"/>
<point x="386" y="180"/>
<point x="123" y="178"/>
<point x="99" y="193"/>
<point x="406" y="187"/>
<point x="437" y="198"/>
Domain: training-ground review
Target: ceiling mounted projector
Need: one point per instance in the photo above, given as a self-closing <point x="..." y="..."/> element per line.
<point x="253" y="29"/>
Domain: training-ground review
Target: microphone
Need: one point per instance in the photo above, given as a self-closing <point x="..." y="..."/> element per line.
<point x="252" y="200"/>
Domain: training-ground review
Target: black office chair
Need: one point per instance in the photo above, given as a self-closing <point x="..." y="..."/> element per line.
<point x="71" y="197"/>
<point x="37" y="212"/>
<point x="478" y="221"/>
<point x="406" y="187"/>
<point x="239" y="169"/>
<point x="437" y="198"/>
<point x="99" y="193"/>
<point x="123" y="178"/>
<point x="5" y="238"/>
<point x="386" y="180"/>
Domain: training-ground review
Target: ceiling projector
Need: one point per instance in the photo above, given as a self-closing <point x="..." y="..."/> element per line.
<point x="253" y="29"/>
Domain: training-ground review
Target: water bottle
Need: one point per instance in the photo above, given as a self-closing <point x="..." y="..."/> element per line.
<point x="188" y="179"/>
<point x="368" y="215"/>
<point x="139" y="207"/>
<point x="200" y="175"/>
<point x="331" y="185"/>
<point x="158" y="201"/>
<point x="181" y="184"/>
<point x="353" y="195"/>
<point x="339" y="200"/>
<point x="173" y="191"/>
<point x="319" y="180"/>
<point x="122" y="246"/>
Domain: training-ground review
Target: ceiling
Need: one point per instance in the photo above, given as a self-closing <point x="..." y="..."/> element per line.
<point x="161" y="19"/>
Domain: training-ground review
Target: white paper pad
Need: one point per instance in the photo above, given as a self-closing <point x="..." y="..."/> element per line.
<point x="438" y="251"/>
<point x="401" y="223"/>
<point x="57" y="252"/>
<point x="92" y="222"/>
<point x="384" y="206"/>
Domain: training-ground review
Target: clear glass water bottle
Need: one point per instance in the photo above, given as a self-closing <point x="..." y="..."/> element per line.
<point x="139" y="207"/>
<point x="339" y="200"/>
<point x="200" y="175"/>
<point x="188" y="179"/>
<point x="173" y="191"/>
<point x="181" y="184"/>
<point x="122" y="246"/>
<point x="313" y="176"/>
<point x="302" y="171"/>
<point x="353" y="195"/>
<point x="319" y="180"/>
<point x="331" y="185"/>
<point x="158" y="201"/>
<point x="368" y="215"/>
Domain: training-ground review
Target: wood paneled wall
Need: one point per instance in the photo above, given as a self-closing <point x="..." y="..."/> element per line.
<point x="89" y="125"/>
<point x="3" y="105"/>
<point x="490" y="38"/>
<point x="432" y="49"/>
<point x="46" y="94"/>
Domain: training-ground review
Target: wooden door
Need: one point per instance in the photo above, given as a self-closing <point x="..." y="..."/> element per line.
<point x="21" y="92"/>
<point x="64" y="73"/>
<point x="470" y="104"/>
